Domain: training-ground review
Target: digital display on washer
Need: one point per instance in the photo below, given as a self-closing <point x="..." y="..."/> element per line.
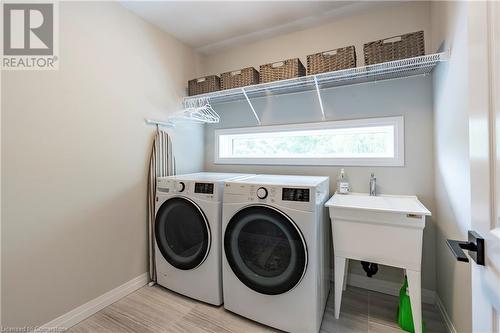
<point x="295" y="194"/>
<point x="205" y="188"/>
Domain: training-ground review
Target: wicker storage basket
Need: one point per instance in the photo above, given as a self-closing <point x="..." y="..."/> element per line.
<point x="332" y="60"/>
<point x="240" y="78"/>
<point x="394" y="48"/>
<point x="203" y="85"/>
<point x="281" y="70"/>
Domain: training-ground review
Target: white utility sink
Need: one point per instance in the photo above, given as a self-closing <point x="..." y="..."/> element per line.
<point x="382" y="203"/>
<point x="385" y="229"/>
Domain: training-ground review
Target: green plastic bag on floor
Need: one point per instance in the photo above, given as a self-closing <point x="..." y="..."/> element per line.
<point x="405" y="318"/>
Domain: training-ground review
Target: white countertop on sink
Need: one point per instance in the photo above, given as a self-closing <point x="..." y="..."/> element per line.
<point x="403" y="204"/>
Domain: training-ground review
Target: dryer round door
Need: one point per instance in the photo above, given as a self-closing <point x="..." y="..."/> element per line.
<point x="182" y="233"/>
<point x="265" y="250"/>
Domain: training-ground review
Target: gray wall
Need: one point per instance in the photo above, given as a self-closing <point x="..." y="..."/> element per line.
<point x="411" y="98"/>
<point x="74" y="159"/>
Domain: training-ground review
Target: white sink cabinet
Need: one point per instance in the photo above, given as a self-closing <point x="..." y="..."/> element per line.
<point x="383" y="229"/>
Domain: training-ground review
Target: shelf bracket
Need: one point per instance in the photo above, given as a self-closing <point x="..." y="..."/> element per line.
<point x="159" y="123"/>
<point x="445" y="56"/>
<point x="250" y="104"/>
<point x="319" y="97"/>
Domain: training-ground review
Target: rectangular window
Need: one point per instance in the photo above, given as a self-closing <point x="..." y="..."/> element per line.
<point x="370" y="142"/>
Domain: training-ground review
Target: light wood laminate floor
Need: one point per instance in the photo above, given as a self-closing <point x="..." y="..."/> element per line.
<point x="155" y="309"/>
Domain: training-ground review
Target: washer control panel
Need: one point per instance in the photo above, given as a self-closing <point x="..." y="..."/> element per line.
<point x="180" y="186"/>
<point x="199" y="189"/>
<point x="262" y="193"/>
<point x="205" y="188"/>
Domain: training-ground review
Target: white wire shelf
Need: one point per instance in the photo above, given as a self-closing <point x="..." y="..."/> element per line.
<point x="385" y="71"/>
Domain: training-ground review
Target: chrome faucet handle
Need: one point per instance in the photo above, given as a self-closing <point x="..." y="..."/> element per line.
<point x="373" y="185"/>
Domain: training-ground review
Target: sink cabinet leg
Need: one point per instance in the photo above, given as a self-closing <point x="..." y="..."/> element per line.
<point x="414" y="288"/>
<point x="339" y="283"/>
<point x="346" y="272"/>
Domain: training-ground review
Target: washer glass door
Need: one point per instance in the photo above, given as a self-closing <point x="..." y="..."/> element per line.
<point x="265" y="250"/>
<point x="182" y="233"/>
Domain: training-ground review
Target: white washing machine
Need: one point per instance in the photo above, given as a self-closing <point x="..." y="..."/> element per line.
<point x="276" y="250"/>
<point x="188" y="234"/>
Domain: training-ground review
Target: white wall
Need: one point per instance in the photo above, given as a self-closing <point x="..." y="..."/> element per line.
<point x="411" y="98"/>
<point x="74" y="159"/>
<point x="452" y="167"/>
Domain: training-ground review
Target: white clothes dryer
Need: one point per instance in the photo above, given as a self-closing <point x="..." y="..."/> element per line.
<point x="276" y="250"/>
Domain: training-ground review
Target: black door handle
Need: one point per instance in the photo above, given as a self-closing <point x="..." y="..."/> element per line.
<point x="475" y="246"/>
<point x="456" y="248"/>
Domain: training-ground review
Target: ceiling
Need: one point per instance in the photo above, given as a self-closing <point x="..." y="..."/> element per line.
<point x="211" y="26"/>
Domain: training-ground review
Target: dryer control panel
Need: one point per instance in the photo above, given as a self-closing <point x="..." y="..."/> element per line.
<point x="295" y="194"/>
<point x="302" y="198"/>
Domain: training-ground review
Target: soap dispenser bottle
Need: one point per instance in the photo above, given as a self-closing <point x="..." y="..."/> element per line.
<point x="343" y="183"/>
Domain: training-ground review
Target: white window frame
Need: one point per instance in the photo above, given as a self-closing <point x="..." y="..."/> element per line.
<point x="397" y="160"/>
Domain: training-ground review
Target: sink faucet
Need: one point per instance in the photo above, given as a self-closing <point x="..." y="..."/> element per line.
<point x="373" y="185"/>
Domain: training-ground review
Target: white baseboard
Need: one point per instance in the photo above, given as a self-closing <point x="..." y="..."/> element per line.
<point x="385" y="287"/>
<point x="86" y="310"/>
<point x="444" y="314"/>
